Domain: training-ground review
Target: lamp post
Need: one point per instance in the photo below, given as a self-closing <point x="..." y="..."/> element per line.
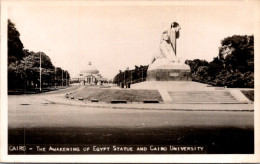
<point x="126" y="70"/>
<point x="131" y="77"/>
<point x="55" y="77"/>
<point x="124" y="77"/>
<point x="66" y="80"/>
<point x="142" y="75"/>
<point x="118" y="79"/>
<point x="40" y="71"/>
<point x="62" y="78"/>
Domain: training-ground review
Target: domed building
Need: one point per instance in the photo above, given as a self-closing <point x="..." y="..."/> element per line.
<point x="90" y="69"/>
<point x="89" y="75"/>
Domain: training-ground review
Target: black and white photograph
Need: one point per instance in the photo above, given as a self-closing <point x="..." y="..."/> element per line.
<point x="121" y="81"/>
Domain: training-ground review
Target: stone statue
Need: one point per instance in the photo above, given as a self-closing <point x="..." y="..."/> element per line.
<point x="168" y="45"/>
<point x="174" y="33"/>
<point x="166" y="65"/>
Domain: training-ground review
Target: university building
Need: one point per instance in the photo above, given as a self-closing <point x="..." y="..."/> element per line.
<point x="89" y="76"/>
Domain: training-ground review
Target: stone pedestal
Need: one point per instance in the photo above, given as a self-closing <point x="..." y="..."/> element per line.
<point x="168" y="72"/>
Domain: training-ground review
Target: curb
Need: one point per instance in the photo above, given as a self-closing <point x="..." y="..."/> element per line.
<point x="128" y="106"/>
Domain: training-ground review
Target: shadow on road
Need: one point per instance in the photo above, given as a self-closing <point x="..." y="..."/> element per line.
<point x="217" y="140"/>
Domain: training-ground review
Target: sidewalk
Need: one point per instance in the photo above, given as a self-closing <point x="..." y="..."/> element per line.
<point x="60" y="99"/>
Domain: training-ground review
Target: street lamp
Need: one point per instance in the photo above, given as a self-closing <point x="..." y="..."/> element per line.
<point x="62" y="78"/>
<point x="142" y="75"/>
<point x="126" y="70"/>
<point x="66" y="80"/>
<point x="131" y="77"/>
<point x="124" y="77"/>
<point x="40" y="71"/>
<point x="55" y="77"/>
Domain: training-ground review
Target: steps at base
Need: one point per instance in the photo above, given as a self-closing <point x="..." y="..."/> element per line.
<point x="201" y="97"/>
<point x="192" y="92"/>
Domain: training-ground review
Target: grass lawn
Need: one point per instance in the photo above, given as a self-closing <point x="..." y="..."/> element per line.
<point x="249" y="94"/>
<point x="107" y="94"/>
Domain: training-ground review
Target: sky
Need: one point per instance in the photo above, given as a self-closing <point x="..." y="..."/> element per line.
<point x="114" y="37"/>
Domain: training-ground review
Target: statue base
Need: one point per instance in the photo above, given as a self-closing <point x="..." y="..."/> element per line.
<point x="168" y="72"/>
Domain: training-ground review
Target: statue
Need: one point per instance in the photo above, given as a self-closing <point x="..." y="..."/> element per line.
<point x="174" y="33"/>
<point x="166" y="65"/>
<point x="168" y="45"/>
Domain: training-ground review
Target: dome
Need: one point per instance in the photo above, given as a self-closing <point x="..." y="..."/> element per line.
<point x="90" y="69"/>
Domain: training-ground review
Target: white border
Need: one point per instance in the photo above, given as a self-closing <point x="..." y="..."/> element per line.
<point x="121" y="158"/>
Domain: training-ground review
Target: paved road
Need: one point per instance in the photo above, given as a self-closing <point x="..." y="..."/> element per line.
<point x="33" y="120"/>
<point x="40" y="113"/>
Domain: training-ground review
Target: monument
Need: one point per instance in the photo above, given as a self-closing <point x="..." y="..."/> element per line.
<point x="167" y="66"/>
<point x="171" y="77"/>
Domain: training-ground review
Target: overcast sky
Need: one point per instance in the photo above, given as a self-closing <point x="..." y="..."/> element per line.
<point x="114" y="37"/>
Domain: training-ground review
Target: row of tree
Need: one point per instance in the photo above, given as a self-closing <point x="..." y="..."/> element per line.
<point x="136" y="75"/>
<point x="24" y="66"/>
<point x="233" y="67"/>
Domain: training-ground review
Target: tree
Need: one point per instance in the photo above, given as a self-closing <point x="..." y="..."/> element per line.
<point x="233" y="67"/>
<point x="24" y="65"/>
<point x="15" y="46"/>
<point x="139" y="74"/>
<point x="237" y="53"/>
<point x="214" y="67"/>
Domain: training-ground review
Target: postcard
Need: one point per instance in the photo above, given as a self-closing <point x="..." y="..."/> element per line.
<point x="129" y="81"/>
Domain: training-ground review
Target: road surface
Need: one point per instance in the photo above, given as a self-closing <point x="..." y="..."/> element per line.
<point x="33" y="120"/>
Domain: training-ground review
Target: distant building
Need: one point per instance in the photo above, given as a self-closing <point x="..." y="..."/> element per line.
<point x="89" y="76"/>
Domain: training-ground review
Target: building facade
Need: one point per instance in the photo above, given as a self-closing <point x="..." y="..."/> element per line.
<point x="89" y="76"/>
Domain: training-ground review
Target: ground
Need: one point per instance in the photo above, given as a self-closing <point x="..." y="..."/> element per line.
<point x="37" y="120"/>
